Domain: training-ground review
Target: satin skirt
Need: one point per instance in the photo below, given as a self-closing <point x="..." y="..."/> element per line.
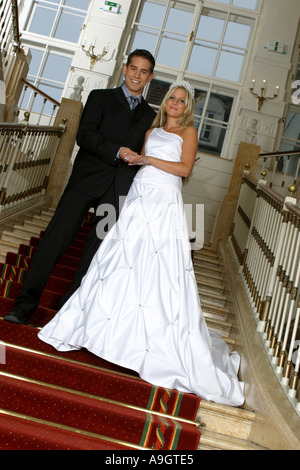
<point x="138" y="304"/>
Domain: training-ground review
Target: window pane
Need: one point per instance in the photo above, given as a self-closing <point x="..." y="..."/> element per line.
<point x="170" y="52"/>
<point x="203" y="59"/>
<point x="210" y="28"/>
<point x="157" y="91"/>
<point x="230" y="66"/>
<point x="179" y="20"/>
<point x="69" y="27"/>
<point x="250" y="4"/>
<point x="80" y="4"/>
<point x="143" y="40"/>
<point x="152" y="14"/>
<point x="227" y="2"/>
<point x="57" y="67"/>
<point x="237" y="34"/>
<point x="54" y="91"/>
<point x="35" y="62"/>
<point x="221" y="106"/>
<point x="290" y="142"/>
<point x="42" y="21"/>
<point x="213" y="125"/>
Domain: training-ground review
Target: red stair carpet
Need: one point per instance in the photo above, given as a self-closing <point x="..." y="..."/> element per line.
<point x="77" y="401"/>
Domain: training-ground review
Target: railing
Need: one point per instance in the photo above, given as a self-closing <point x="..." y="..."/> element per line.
<point x="26" y="156"/>
<point x="10" y="36"/>
<point x="280" y="169"/>
<point x="37" y="115"/>
<point x="266" y="242"/>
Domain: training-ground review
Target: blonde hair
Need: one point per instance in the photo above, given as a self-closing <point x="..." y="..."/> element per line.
<point x="186" y="120"/>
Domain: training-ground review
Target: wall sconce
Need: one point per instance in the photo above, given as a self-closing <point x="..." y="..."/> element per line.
<point x="90" y="52"/>
<point x="262" y="98"/>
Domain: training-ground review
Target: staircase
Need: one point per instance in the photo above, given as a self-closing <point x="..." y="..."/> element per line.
<point x="222" y="427"/>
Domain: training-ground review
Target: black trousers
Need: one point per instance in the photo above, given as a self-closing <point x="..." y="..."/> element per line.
<point x="63" y="227"/>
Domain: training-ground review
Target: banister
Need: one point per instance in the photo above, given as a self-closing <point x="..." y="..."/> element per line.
<point x="30" y="128"/>
<point x="265" y="241"/>
<point x="40" y="92"/>
<point x="295" y="210"/>
<point x="280" y="154"/>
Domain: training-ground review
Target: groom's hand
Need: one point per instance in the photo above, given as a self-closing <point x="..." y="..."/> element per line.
<point x="126" y="153"/>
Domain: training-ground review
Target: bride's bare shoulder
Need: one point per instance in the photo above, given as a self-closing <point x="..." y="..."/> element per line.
<point x="189" y="132"/>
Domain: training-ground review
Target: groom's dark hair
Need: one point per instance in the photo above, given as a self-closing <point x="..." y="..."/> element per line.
<point x="142" y="53"/>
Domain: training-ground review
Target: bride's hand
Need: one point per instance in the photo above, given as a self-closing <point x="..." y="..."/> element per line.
<point x="136" y="160"/>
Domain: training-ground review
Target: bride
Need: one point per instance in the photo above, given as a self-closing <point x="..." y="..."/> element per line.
<point x="138" y="304"/>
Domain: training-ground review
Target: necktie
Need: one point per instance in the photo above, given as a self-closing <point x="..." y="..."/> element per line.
<point x="133" y="102"/>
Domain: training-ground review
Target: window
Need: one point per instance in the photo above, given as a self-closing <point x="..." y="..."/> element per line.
<point x="212" y="113"/>
<point x="163" y="28"/>
<point x="48" y="25"/>
<point x="204" y="43"/>
<point x="291" y="142"/>
<point x="220" y="45"/>
<point x="61" y="19"/>
<point x="48" y="70"/>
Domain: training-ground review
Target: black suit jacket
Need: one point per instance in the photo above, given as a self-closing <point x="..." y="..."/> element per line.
<point x="106" y="124"/>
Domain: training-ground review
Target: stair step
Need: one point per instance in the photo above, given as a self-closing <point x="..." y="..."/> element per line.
<point x="210" y="287"/>
<point x="27" y="228"/>
<point x="213" y="276"/>
<point x="207" y="252"/>
<point x="6" y="246"/>
<point x="203" y="254"/>
<point x="222" y="419"/>
<point x="221" y="327"/>
<point x="211" y="298"/>
<point x="43" y="217"/>
<point x="215" y="441"/>
<point x="37" y="223"/>
<point x="218" y="313"/>
<point x="16" y="238"/>
<point x="209" y="268"/>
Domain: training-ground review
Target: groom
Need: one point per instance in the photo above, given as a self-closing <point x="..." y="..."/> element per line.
<point x="113" y="124"/>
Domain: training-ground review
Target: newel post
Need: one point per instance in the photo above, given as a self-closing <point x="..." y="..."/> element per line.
<point x="247" y="156"/>
<point x="69" y="115"/>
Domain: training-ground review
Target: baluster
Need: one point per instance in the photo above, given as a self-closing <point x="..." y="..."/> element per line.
<point x="294" y="295"/>
<point x="293" y="263"/>
<point x="279" y="295"/>
<point x="41" y="111"/>
<point x="272" y="287"/>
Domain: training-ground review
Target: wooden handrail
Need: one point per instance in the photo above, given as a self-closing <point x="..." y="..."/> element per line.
<point x="274" y="154"/>
<point x="23" y="127"/>
<point x="41" y="92"/>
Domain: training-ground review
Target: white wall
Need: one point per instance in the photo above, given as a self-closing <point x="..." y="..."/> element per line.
<point x="208" y="185"/>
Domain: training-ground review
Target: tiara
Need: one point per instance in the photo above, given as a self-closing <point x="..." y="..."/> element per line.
<point x="184" y="84"/>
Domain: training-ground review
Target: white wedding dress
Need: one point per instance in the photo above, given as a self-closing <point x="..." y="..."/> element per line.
<point x="138" y="304"/>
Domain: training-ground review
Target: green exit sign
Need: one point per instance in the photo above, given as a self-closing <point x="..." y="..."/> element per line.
<point x="112" y="7"/>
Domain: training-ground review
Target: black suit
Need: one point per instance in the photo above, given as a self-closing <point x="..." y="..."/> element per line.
<point x="107" y="123"/>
